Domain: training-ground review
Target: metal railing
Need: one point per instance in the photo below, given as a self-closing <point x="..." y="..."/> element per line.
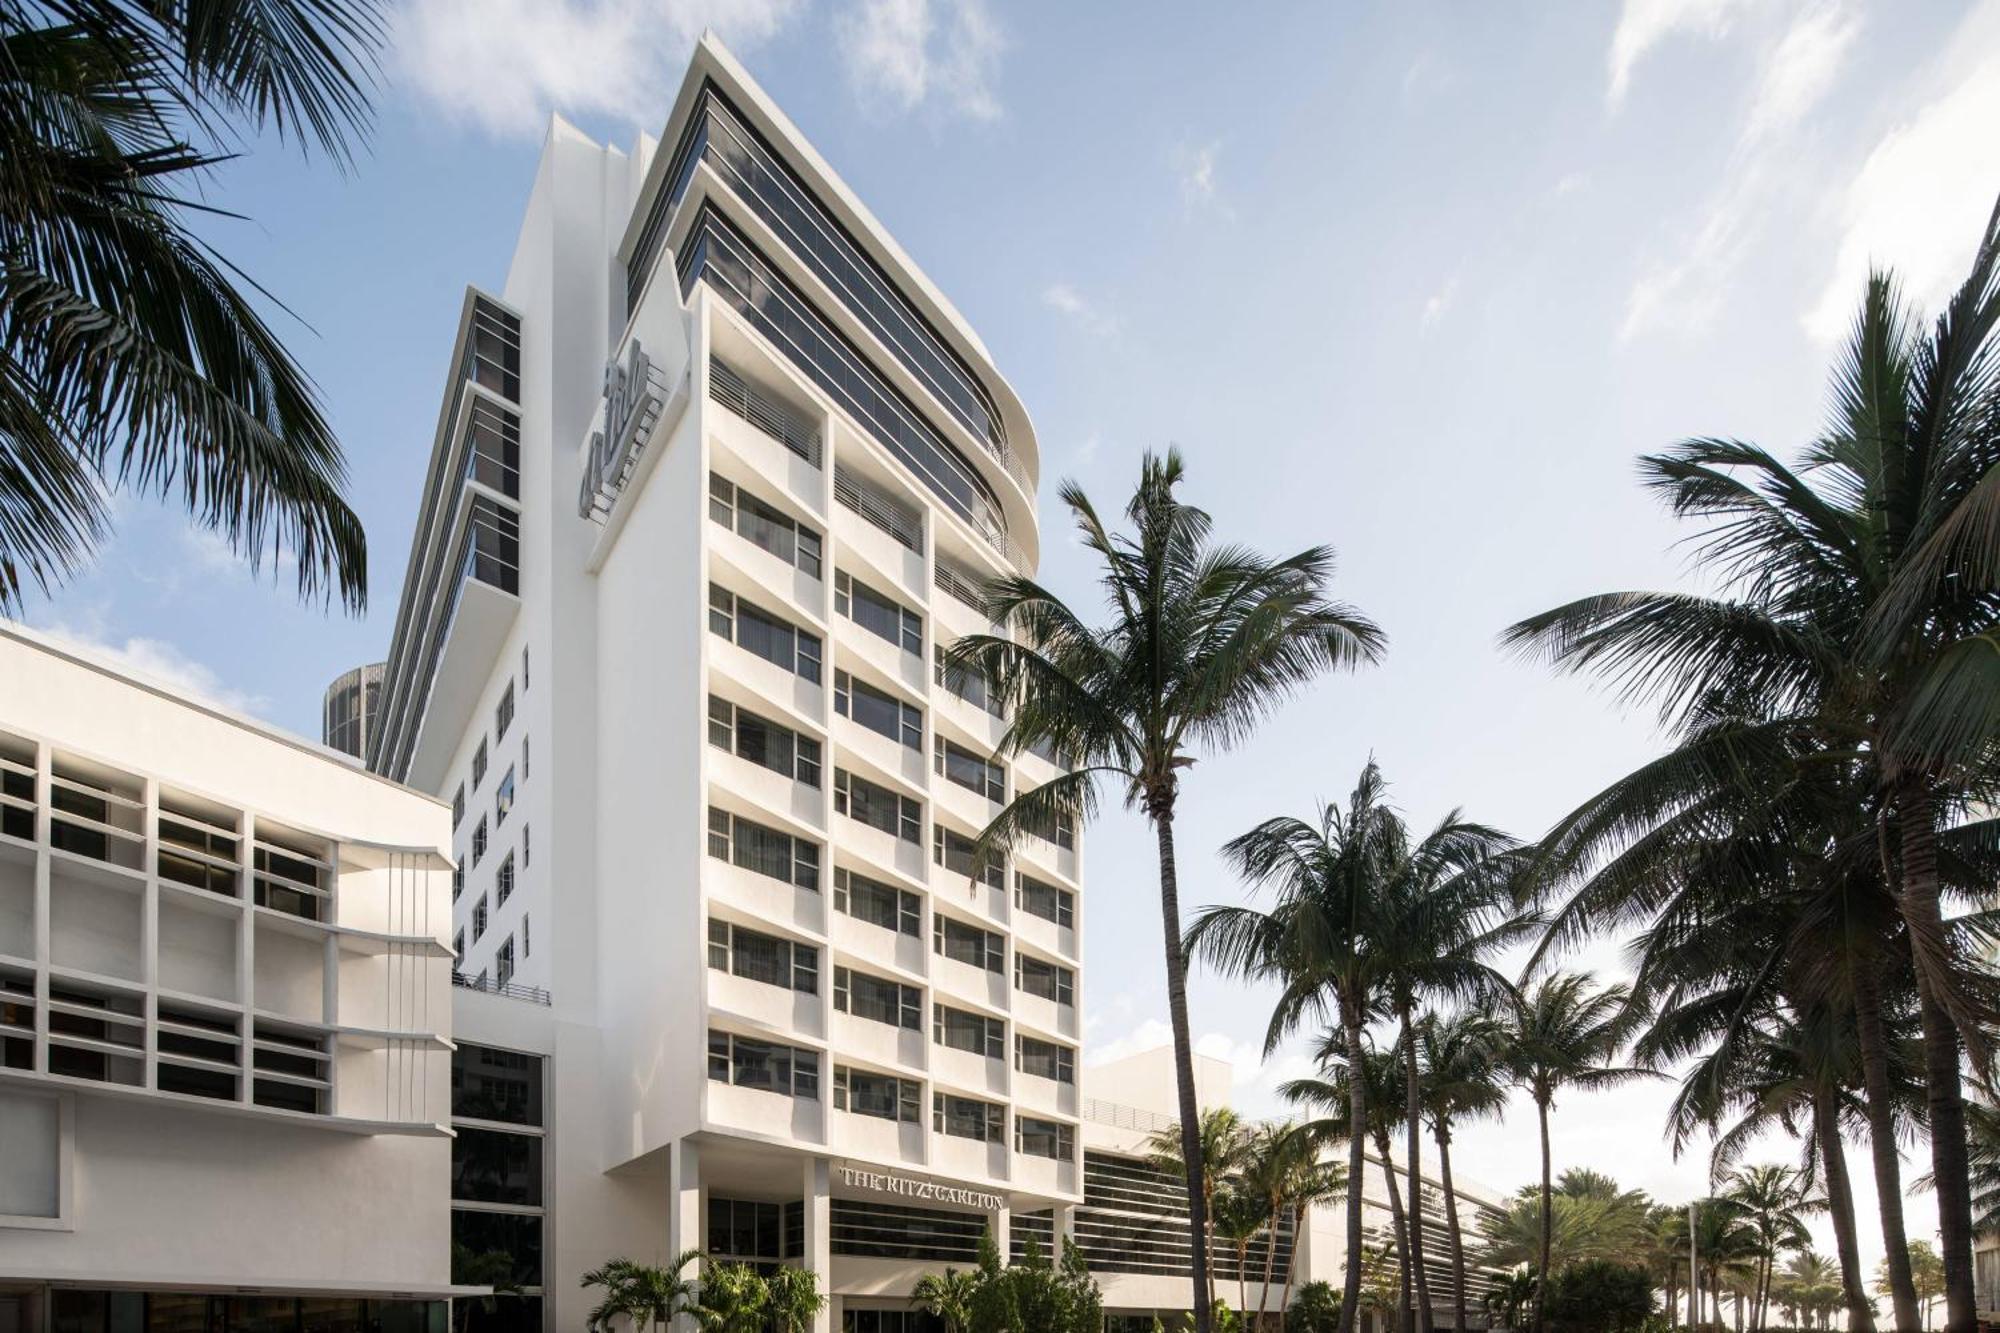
<point x="903" y="522"/>
<point x="961" y="583"/>
<point x="1120" y="1116"/>
<point x="506" y="989"/>
<point x="764" y="410"/>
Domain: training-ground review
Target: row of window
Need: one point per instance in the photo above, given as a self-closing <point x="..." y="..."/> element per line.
<point x="748" y="1062"/>
<point x="777" y="961"/>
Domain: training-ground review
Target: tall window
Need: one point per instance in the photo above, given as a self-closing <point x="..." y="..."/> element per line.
<point x="768" y="1066"/>
<point x="770" y="637"/>
<point x="1032" y="976"/>
<point x="878" y="711"/>
<point x="968" y="1117"/>
<point x="767" y="851"/>
<point x="965" y="943"/>
<point x="963" y="1030"/>
<point x="762" y="741"/>
<point x="1044" y="1059"/>
<point x="503" y="879"/>
<point x="478" y="840"/>
<point x="503" y="798"/>
<point x="457" y="880"/>
<point x="497" y="1195"/>
<point x="478" y="918"/>
<point x="759" y="957"/>
<point x="873" y="901"/>
<point x="503" y="961"/>
<point x="877" y="998"/>
<point x="763" y="525"/>
<point x="878" y="807"/>
<point x="503" y="715"/>
<point x="956" y="853"/>
<point x="878" y="613"/>
<point x="968" y="769"/>
<point x="1039" y="898"/>
<point x="479" y="764"/>
<point x="457" y="807"/>
<point x="881" y="1095"/>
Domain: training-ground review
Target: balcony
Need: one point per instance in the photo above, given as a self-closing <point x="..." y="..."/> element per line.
<point x="897" y="1143"/>
<point x="987" y="990"/>
<point x="974" y="1159"/>
<point x="775" y="1009"/>
<point x="880" y="1044"/>
<point x="969" y="1072"/>
<point x="764" y="1114"/>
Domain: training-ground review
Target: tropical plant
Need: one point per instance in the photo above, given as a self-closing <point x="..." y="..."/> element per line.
<point x="1771" y="1199"/>
<point x="1858" y="599"/>
<point x="131" y="355"/>
<point x="948" y="1295"/>
<point x="1282" y="1167"/>
<point x="795" y="1299"/>
<point x="1585" y="1224"/>
<point x="1222" y="1139"/>
<point x="734" y="1298"/>
<point x="1458" y="1056"/>
<point x="1599" y="1296"/>
<point x="1563" y="1034"/>
<point x="1033" y="1295"/>
<point x="480" y="1268"/>
<point x="649" y="1295"/>
<point x="1927" y="1273"/>
<point x="1511" y="1298"/>
<point x="1203" y="641"/>
<point x="1239" y="1215"/>
<point x="1316" y="1310"/>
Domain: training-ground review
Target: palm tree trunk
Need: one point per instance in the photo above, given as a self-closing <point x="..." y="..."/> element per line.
<point x="1270" y="1257"/>
<point x="1401" y="1222"/>
<point x="1413" y="1106"/>
<point x="1357" y="1161"/>
<point x="1441" y="1131"/>
<point x="1949" y="1167"/>
<point x="1548" y="1221"/>
<point x="1840" y="1205"/>
<point x="1874" y="1050"/>
<point x="1291" y="1262"/>
<point x="1242" y="1287"/>
<point x="1161" y="807"/>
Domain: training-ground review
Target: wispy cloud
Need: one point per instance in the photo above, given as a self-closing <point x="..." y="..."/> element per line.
<point x="1084" y="314"/>
<point x="1194" y="167"/>
<point x="157" y="661"/>
<point x="503" y="65"/>
<point x="1428" y="75"/>
<point x="903" y="54"/>
<point x="1921" y="195"/>
<point x="1644" y="24"/>
<point x="1438" y="305"/>
<point x="1683" y="289"/>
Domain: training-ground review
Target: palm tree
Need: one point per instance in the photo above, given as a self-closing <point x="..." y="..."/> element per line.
<point x="1563" y="1034"/>
<point x="1725" y="1248"/>
<point x="1238" y="1215"/>
<point x="1319" y="943"/>
<point x="1282" y="1166"/>
<point x="1585" y="1224"/>
<point x="948" y="1295"/>
<point x="129" y="354"/>
<point x="1202" y="643"/>
<point x="1858" y="598"/>
<point x="1224" y="1140"/>
<point x="794" y="1299"/>
<point x="645" y="1294"/>
<point x="1770" y="1198"/>
<point x="1459" y="1059"/>
<point x="734" y="1299"/>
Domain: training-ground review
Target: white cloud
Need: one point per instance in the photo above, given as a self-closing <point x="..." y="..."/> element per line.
<point x="1148" y="1035"/>
<point x="905" y="53"/>
<point x="504" y="65"/>
<point x="1644" y="24"/>
<point x="1070" y="303"/>
<point x="1683" y="290"/>
<point x="159" y="662"/>
<point x="1195" y="165"/>
<point x="1922" y="195"/>
<point x="1438" y="305"/>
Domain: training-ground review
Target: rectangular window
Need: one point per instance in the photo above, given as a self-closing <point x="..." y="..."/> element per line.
<point x="1059" y="828"/>
<point x="878" y="711"/>
<point x="457" y="807"/>
<point x="524" y="758"/>
<point x="478" y="918"/>
<point x="1032" y="976"/>
<point x="768" y="1066"/>
<point x="965" y="943"/>
<point x="1044" y="1059"/>
<point x="457" y="881"/>
<point x="503" y="879"/>
<point x="878" y="807"/>
<point x="503" y="714"/>
<point x="877" y="903"/>
<point x="458" y="949"/>
<point x="524" y="846"/>
<point x="881" y="1095"/>
<point x="969" y="770"/>
<point x="774" y="639"/>
<point x="968" y="1118"/>
<point x="965" y="683"/>
<point x="1034" y="1137"/>
<point x="503" y="798"/>
<point x="1039" y="898"/>
<point x="756" y="956"/>
<point x="524" y="669"/>
<point x="503" y="961"/>
<point x="763" y="742"/>
<point x="878" y="613"/>
<point x="762" y="525"/>
<point x="767" y="851"/>
<point x="956" y="853"/>
<point x="524" y="934"/>
<point x="478" y="840"/>
<point x="965" y="1031"/>
<point x="878" y="998"/>
<point x="479" y="764"/>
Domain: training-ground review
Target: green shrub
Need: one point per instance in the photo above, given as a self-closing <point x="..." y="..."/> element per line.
<point x="1598" y="1296"/>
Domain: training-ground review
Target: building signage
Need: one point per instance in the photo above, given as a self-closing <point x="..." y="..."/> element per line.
<point x="632" y="403"/>
<point x="924" y="1191"/>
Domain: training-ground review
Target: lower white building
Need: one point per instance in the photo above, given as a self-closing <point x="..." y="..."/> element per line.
<point x="225" y="1020"/>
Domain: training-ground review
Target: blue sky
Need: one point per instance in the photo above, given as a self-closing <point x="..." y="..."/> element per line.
<point x="1419" y="281"/>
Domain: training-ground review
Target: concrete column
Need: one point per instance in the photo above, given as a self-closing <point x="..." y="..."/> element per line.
<point x="684" y="1198"/>
<point x="817" y="1193"/>
<point x="1002" y="1222"/>
<point x="1065" y="1222"/>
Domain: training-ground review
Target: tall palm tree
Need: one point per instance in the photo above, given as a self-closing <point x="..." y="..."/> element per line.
<point x="1239" y="1215"/>
<point x="131" y="354"/>
<point x="1459" y="1059"/>
<point x="649" y="1295"/>
<point x="947" y="1295"/>
<point x="1224" y="1141"/>
<point x="1202" y="642"/>
<point x="1859" y="596"/>
<point x="1563" y="1034"/>
<point x="1770" y="1198"/>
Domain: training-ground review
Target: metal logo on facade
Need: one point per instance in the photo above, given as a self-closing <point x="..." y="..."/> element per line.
<point x="632" y="403"/>
<point x="909" y="1187"/>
